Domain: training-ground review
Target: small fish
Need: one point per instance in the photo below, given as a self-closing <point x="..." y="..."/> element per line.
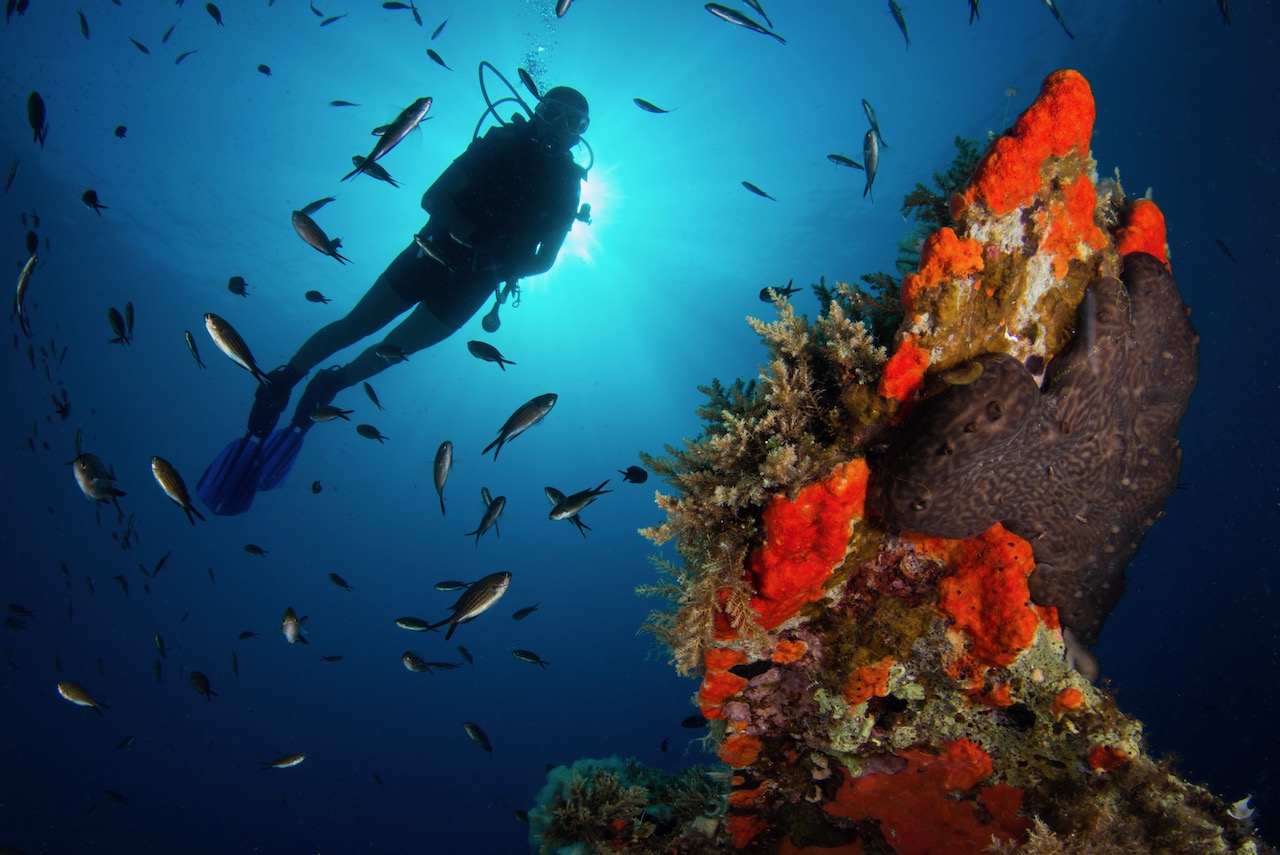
<point x="316" y="487"/>
<point x="174" y="487"/>
<point x="413" y="624"/>
<point x="466" y="655"/>
<point x="649" y="107"/>
<point x="316" y="297"/>
<point x="286" y="762"/>
<point x="316" y="238"/>
<point x="229" y="342"/>
<point x="13" y="171"/>
<point x="333" y="657"/>
<point x="896" y="11"/>
<point x="871" y="117"/>
<point x="410" y="117"/>
<point x="191" y="346"/>
<point x="555" y="497"/>
<point x="440" y="469"/>
<point x="343" y="104"/>
<point x="201" y="684"/>
<point x="124" y="743"/>
<point x="741" y="20"/>
<point x="84" y="24"/>
<point x="165" y="38"/>
<point x="1222" y="245"/>
<point x="317" y="205"/>
<point x="414" y="662"/>
<point x="571" y="505"/>
<point x="265" y="70"/>
<point x="391" y="353"/>
<point x="562" y="9"/>
<point x="248" y="633"/>
<point x="95" y="479"/>
<point x="435" y="57"/>
<point x="436" y="32"/>
<point x="694" y="721"/>
<point x="754" y="189"/>
<point x="374" y="170"/>
<point x="451" y="585"/>
<point x="180" y="57"/>
<point x="973" y="11"/>
<point x="767" y="295"/>
<point x="477" y="599"/>
<point x="527" y="80"/>
<point x="871" y="157"/>
<point x="521" y="614"/>
<point x="235" y="664"/>
<point x="316" y="11"/>
<point x="160" y="564"/>
<point x="113" y="796"/>
<point x="339" y="581"/>
<point x="473" y="730"/>
<point x="116" y="320"/>
<point x="90" y="199"/>
<point x="489" y="353"/>
<point x="124" y="584"/>
<point x="20" y="295"/>
<point x="633" y="475"/>
<point x="140" y="46"/>
<point x="841" y="160"/>
<point x="1226" y="22"/>
<point x="128" y="320"/>
<point x="373" y="396"/>
<point x="663" y="746"/>
<point x="370" y="432"/>
<point x="525" y="417"/>
<point x="1053" y="7"/>
<point x="530" y="657"/>
<point x="291" y="626"/>
<point x="80" y="696"/>
<point x="255" y="549"/>
<point x="754" y="4"/>
<point x="120" y="131"/>
<point x="160" y="648"/>
<point x="236" y="285"/>
<point x="20" y="610"/>
<point x="491" y="513"/>
<point x="327" y="21"/>
<point x="328" y="413"/>
<point x="214" y="13"/>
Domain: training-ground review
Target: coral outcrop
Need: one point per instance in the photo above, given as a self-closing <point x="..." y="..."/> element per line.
<point x="890" y="541"/>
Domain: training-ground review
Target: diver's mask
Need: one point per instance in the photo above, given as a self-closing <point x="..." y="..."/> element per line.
<point x="562" y="119"/>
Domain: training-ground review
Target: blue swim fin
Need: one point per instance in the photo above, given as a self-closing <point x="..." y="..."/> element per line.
<point x="279" y="451"/>
<point x="230" y="482"/>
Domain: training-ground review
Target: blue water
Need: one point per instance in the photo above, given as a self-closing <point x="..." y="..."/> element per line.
<point x="645" y="304"/>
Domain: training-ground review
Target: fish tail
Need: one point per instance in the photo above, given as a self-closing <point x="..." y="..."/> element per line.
<point x="359" y="169"/>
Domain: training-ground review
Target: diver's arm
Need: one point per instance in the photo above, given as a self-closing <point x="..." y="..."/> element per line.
<point x="541" y="260"/>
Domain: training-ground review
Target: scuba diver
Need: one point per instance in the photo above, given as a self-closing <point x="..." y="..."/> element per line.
<point x="499" y="212"/>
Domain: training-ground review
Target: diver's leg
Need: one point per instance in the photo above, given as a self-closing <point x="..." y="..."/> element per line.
<point x="420" y="330"/>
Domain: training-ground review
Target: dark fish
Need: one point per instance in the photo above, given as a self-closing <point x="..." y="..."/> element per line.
<point x="491" y="513"/>
<point x="649" y="107"/>
<point x="165" y="38"/>
<point x="440" y="470"/>
<point x="191" y="346"/>
<point x="525" y="417"/>
<point x="871" y="157"/>
<point x="521" y="614"/>
<point x="248" y="633"/>
<point x="555" y="497"/>
<point x="562" y="7"/>
<point x="633" y="475"/>
<point x="871" y="117"/>
<point x="140" y="46"/>
<point x="896" y="11"/>
<point x="489" y="353"/>
<point x="113" y="796"/>
<point x="754" y="189"/>
<point x="255" y="549"/>
<point x="528" y="83"/>
<point x="116" y="320"/>
<point x="339" y="581"/>
<point x="373" y="396"/>
<point x="841" y="160"/>
<point x="413" y="661"/>
<point x="174" y="487"/>
<point x="754" y="4"/>
<point x="317" y="205"/>
<point x="36" y="118"/>
<point x="84" y="24"/>
<point x="235" y="664"/>
<point x="265" y="69"/>
<point x="13" y="171"/>
<point x="373" y="170"/>
<point x="237" y="285"/>
<point x="663" y="746"/>
<point x="124" y="743"/>
<point x="316" y="238"/>
<point x="475" y="600"/>
<point x="767" y="295"/>
<point x="120" y="131"/>
<point x="1222" y="245"/>
<point x="473" y="730"/>
<point x="327" y="21"/>
<point x="973" y="11"/>
<point x="343" y="104"/>
<point x="466" y="655"/>
<point x="230" y="343"/>
<point x="316" y="11"/>
<point x="370" y="432"/>
<point x="1053" y="7"/>
<point x="160" y="564"/>
<point x="333" y="657"/>
<point x="199" y="681"/>
<point x="408" y="119"/>
<point x="694" y="721"/>
<point x="437" y="30"/>
<point x="435" y="57"/>
<point x="214" y="13"/>
<point x="180" y="57"/>
<point x="413" y="624"/>
<point x="1226" y="14"/>
<point x="530" y="657"/>
<point x="316" y="297"/>
<point x="572" y="505"/>
<point x="90" y="199"/>
<point x="741" y="20"/>
<point x="315" y="487"/>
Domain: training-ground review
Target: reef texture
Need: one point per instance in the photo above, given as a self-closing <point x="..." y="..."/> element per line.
<point x="880" y="542"/>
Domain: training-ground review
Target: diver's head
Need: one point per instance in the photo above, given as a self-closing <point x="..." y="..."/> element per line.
<point x="561" y="116"/>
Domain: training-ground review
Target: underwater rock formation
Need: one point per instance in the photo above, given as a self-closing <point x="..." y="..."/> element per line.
<point x="879" y="689"/>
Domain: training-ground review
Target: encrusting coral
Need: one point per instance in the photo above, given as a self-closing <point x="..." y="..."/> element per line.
<point x="876" y="689"/>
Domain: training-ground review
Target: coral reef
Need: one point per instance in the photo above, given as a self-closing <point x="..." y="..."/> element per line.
<point x="889" y="544"/>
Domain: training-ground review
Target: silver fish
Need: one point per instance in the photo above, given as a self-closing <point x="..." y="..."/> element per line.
<point x="286" y="762"/>
<point x="229" y="342"/>
<point x="555" y="497"/>
<point x="528" y="415"/>
<point x="870" y="157"/>
<point x="316" y="238"/>
<point x="191" y="346"/>
<point x="440" y="470"/>
<point x="408" y="119"/>
<point x="530" y="657"/>
<point x="291" y="626"/>
<point x="95" y="479"/>
<point x="896" y="11"/>
<point x="741" y="20"/>
<point x="20" y="296"/>
<point x="477" y="599"/>
<point x="871" y="117"/>
<point x="491" y="513"/>
<point x="317" y="205"/>
<point x="174" y="487"/>
<point x="571" y="505"/>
